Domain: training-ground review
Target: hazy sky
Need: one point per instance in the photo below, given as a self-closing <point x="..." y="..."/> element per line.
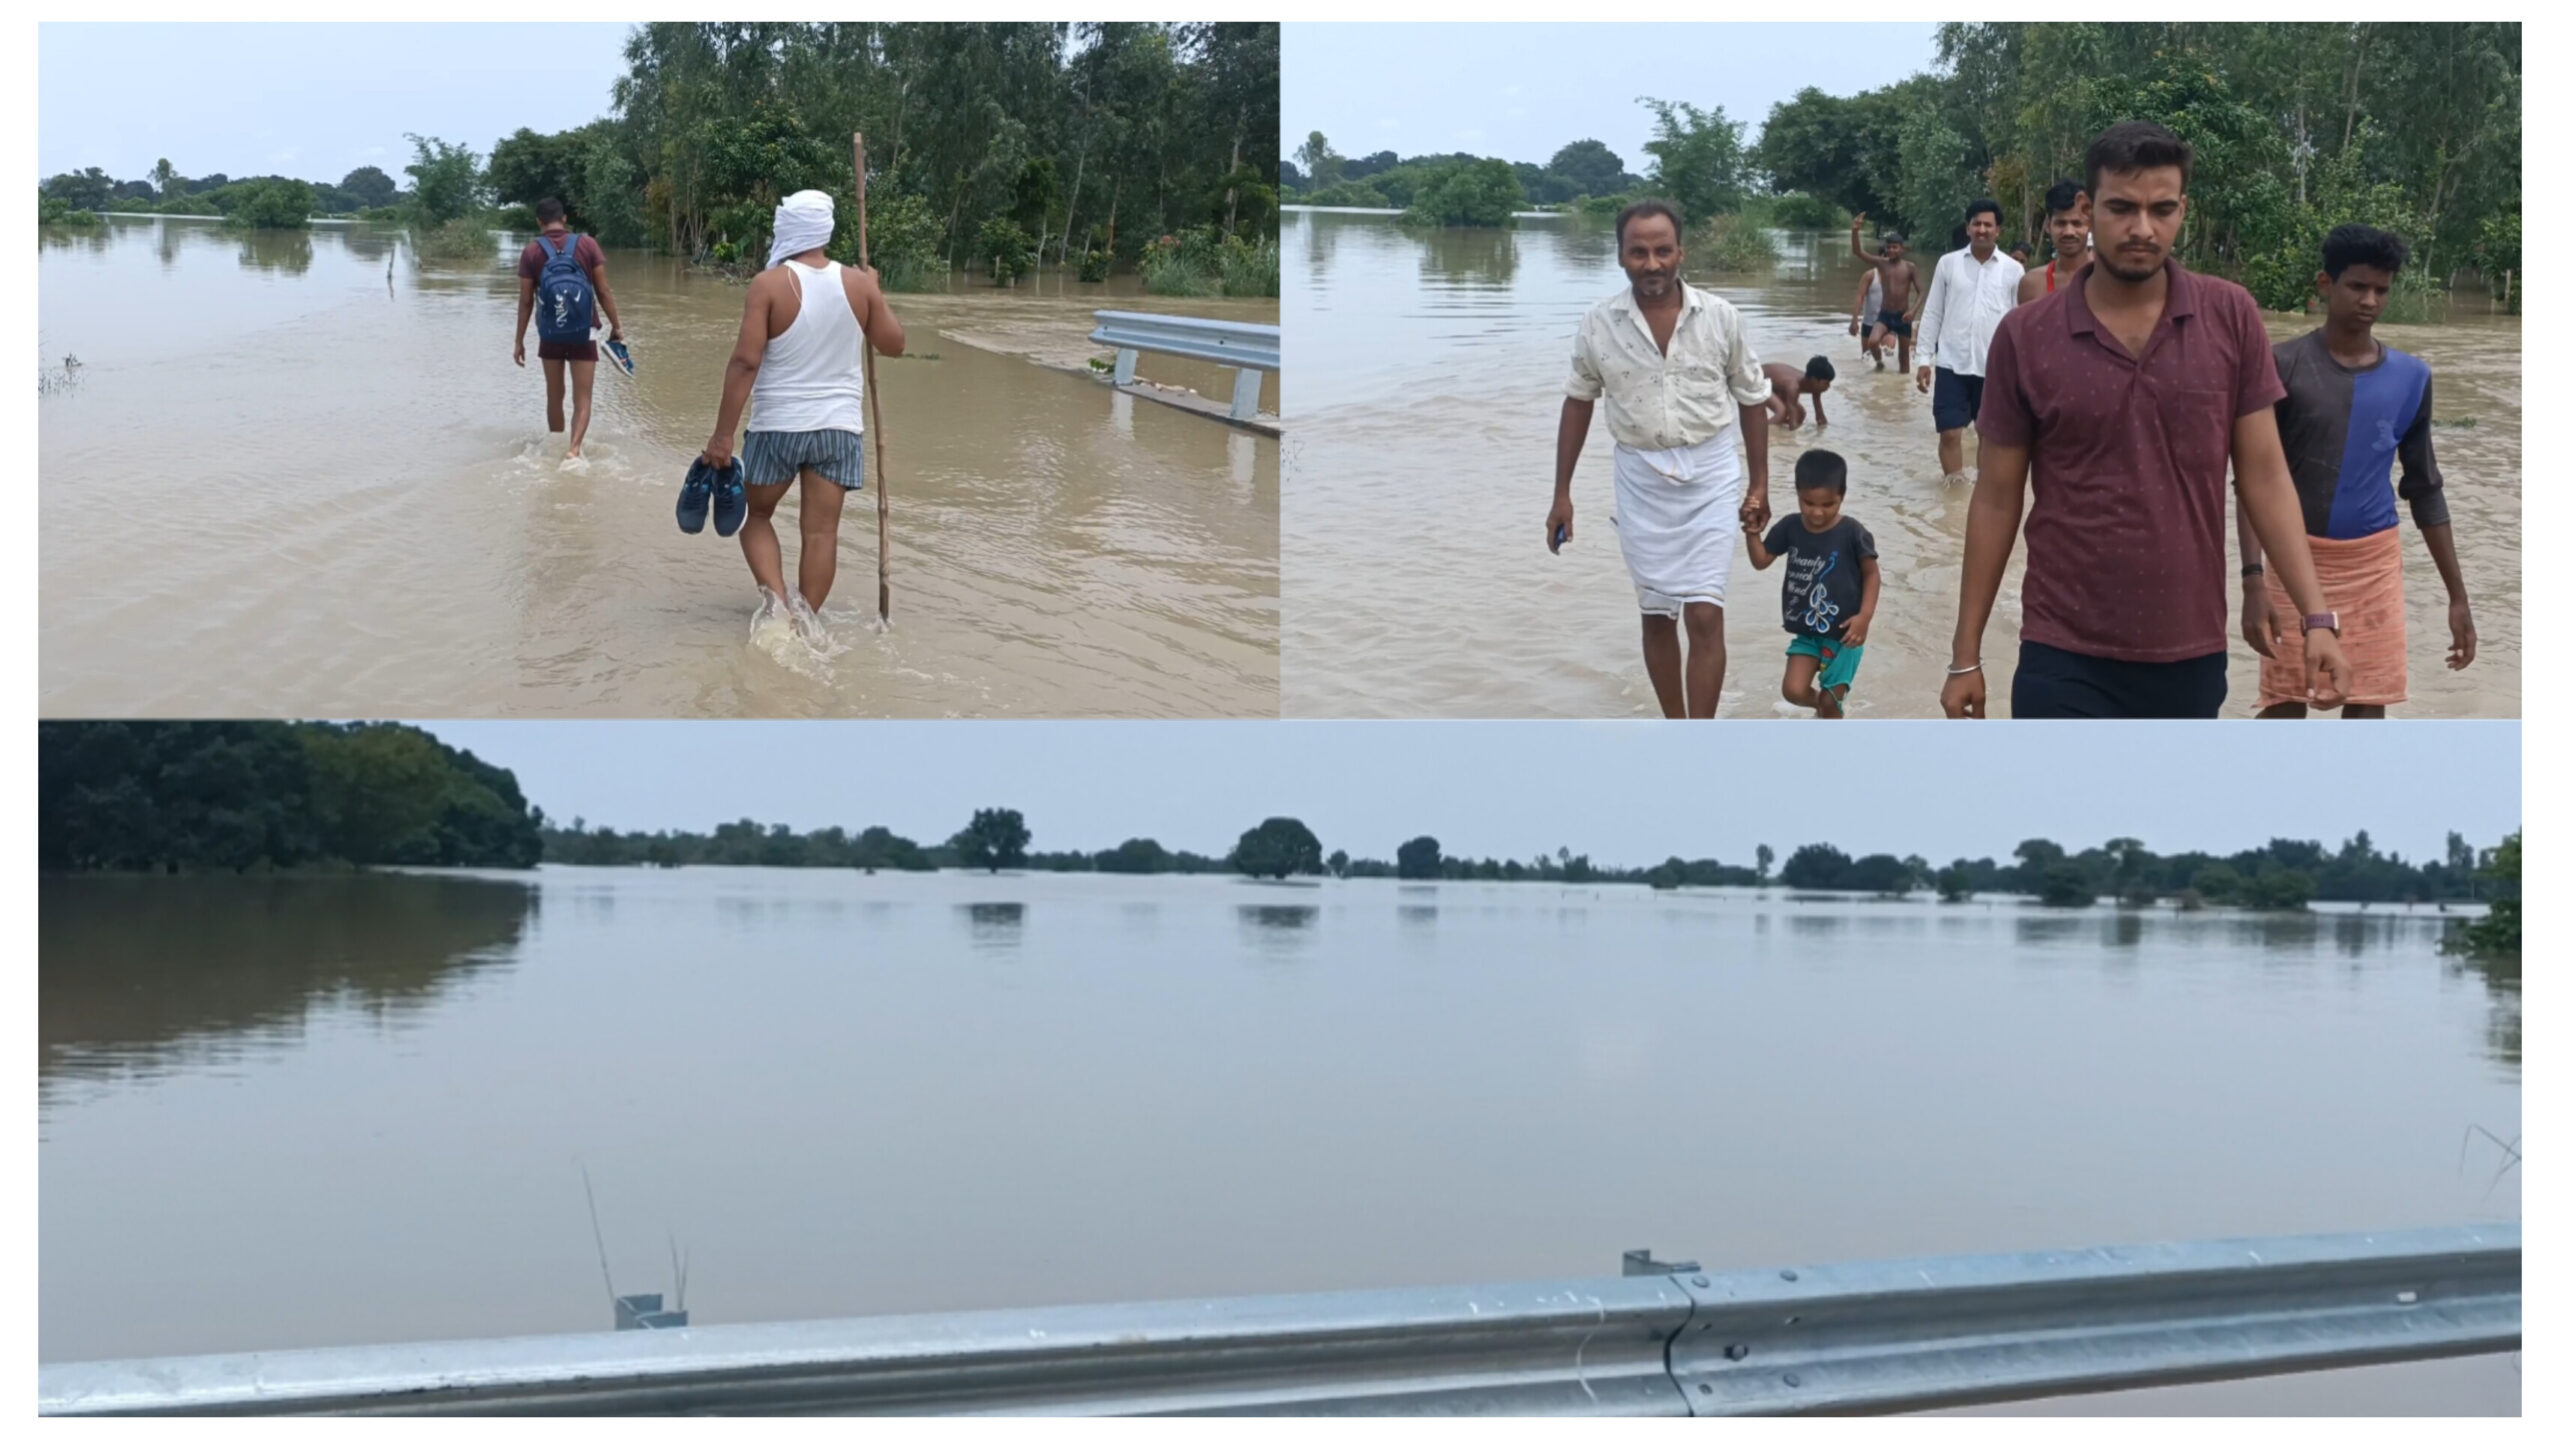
<point x="313" y="101"/>
<point x="1522" y="92"/>
<point x="1623" y="792"/>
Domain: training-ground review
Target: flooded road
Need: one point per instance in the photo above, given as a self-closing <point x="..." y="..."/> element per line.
<point x="348" y="1109"/>
<point x="1429" y="368"/>
<point x="299" y="475"/>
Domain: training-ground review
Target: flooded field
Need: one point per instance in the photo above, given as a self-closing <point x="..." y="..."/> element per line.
<point x="348" y="1109"/>
<point x="299" y="475"/>
<point x="1429" y="369"/>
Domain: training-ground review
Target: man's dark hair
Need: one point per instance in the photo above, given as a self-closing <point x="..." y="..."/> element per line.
<point x="548" y="209"/>
<point x="2130" y="145"/>
<point x="2362" y="245"/>
<point x="1822" y="470"/>
<point x="1985" y="205"/>
<point x="1819" y="368"/>
<point x="1894" y="239"/>
<point x="2064" y="194"/>
<point x="1645" y="210"/>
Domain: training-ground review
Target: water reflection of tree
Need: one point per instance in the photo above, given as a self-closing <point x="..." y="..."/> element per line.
<point x="1476" y="259"/>
<point x="277" y="251"/>
<point x="2503" y="976"/>
<point x="96" y="241"/>
<point x="368" y="242"/>
<point x="136" y="970"/>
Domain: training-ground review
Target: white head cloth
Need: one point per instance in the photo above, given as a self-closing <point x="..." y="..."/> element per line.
<point x="805" y="220"/>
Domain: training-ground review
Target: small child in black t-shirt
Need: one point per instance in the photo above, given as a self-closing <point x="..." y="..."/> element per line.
<point x="1829" y="597"/>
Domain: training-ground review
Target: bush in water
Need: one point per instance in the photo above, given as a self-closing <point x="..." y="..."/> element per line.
<point x="63" y="215"/>
<point x="1480" y="194"/>
<point x="271" y="205"/>
<point x="1277" y="848"/>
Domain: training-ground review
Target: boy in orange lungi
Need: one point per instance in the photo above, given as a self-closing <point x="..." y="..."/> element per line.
<point x="2350" y="404"/>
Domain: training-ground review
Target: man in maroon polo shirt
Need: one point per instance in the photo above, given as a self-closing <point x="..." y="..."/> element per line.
<point x="2128" y="397"/>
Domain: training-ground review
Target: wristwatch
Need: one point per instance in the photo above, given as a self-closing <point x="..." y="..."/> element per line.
<point x="2319" y="622"/>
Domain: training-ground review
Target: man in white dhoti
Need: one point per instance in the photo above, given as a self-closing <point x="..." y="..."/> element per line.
<point x="1680" y="380"/>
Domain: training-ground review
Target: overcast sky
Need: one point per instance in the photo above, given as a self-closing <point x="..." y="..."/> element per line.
<point x="1522" y="92"/>
<point x="1623" y="792"/>
<point x="312" y="101"/>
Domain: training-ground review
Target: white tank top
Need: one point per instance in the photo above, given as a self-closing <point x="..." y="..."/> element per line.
<point x="811" y="378"/>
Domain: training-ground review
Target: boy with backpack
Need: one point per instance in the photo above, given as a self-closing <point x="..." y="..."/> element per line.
<point x="560" y="285"/>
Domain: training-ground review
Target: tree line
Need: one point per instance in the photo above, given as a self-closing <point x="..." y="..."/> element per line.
<point x="1000" y="148"/>
<point x="2280" y="874"/>
<point x="2298" y="126"/>
<point x="174" y="796"/>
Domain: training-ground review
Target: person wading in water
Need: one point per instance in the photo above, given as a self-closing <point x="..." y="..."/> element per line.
<point x="1680" y="379"/>
<point x="2066" y="223"/>
<point x="1900" y="280"/>
<point x="560" y="282"/>
<point x="2129" y="397"/>
<point x="799" y="357"/>
<point x="2351" y="403"/>
<point x="1973" y="288"/>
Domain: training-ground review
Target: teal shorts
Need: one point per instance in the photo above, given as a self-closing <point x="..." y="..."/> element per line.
<point x="1838" y="662"/>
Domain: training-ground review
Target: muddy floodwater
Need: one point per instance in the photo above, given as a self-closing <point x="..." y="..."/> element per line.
<point x="1428" y="369"/>
<point x="299" y="475"/>
<point x="349" y="1109"/>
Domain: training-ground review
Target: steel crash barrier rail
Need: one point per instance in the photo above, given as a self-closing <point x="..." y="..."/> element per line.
<point x="1660" y="1339"/>
<point x="1247" y="349"/>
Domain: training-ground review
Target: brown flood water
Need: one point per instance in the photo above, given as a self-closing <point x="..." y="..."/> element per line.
<point x="1420" y="459"/>
<point x="292" y="1111"/>
<point x="298" y="475"/>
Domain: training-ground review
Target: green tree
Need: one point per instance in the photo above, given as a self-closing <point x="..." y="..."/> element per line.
<point x="1320" y="160"/>
<point x="1476" y="194"/>
<point x="1339" y="863"/>
<point x="2501" y="934"/>
<point x="2067" y="884"/>
<point x="1587" y="167"/>
<point x="1418" y="858"/>
<point x="445" y="181"/>
<point x="1276" y="849"/>
<point x="1699" y="160"/>
<point x="88" y="189"/>
<point x="165" y="179"/>
<point x="1955" y="886"/>
<point x="526" y="168"/>
<point x="1818" y="866"/>
<point x="271" y="205"/>
<point x="371" y="188"/>
<point x="994" y="839"/>
<point x="1762" y="858"/>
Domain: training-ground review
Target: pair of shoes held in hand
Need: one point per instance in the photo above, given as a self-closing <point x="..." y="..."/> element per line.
<point x="720" y="493"/>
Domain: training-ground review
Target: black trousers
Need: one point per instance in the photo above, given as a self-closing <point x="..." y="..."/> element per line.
<point x="2057" y="684"/>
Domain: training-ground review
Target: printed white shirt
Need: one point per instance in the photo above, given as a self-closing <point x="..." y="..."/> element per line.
<point x="1659" y="401"/>
<point x="1967" y="297"/>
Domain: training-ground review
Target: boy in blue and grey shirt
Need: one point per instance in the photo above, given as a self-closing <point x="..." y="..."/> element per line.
<point x="1829" y="598"/>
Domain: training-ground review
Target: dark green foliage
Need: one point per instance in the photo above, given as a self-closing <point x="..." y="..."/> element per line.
<point x="254" y="794"/>
<point x="1473" y="194"/>
<point x="2500" y="936"/>
<point x="1133" y="856"/>
<point x="994" y="839"/>
<point x="2067" y="884"/>
<point x="1418" y="858"/>
<point x="1276" y="849"/>
<point x="445" y="182"/>
<point x="369" y="187"/>
<point x="271" y="205"/>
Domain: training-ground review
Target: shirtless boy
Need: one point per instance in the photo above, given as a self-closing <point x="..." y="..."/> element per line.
<point x="2066" y="223"/>
<point x="1901" y="281"/>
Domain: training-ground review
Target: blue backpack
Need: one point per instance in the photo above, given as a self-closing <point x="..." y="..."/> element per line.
<point x="564" y="300"/>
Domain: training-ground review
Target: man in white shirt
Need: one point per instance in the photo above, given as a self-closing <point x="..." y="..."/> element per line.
<point x="1974" y="287"/>
<point x="1680" y="380"/>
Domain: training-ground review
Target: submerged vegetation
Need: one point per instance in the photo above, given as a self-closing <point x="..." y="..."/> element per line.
<point x="2297" y="126"/>
<point x="995" y="148"/>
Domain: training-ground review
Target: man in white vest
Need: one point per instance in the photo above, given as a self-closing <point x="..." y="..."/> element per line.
<point x="799" y="357"/>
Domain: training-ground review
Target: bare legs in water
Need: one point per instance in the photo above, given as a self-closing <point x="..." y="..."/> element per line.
<point x="582" y="377"/>
<point x="1693" y="694"/>
<point x="821" y="508"/>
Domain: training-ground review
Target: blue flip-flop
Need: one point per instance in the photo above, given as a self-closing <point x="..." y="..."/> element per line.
<point x="618" y="355"/>
<point x="729" y="499"/>
<point x="693" y="502"/>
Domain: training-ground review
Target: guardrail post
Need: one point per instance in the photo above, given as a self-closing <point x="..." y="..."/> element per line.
<point x="1248" y="394"/>
<point x="1124" y="369"/>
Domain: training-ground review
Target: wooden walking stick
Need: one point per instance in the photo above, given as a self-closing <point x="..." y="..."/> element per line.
<point x="870" y="374"/>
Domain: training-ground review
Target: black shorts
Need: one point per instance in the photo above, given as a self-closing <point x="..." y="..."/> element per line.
<point x="1894" y="323"/>
<point x="571" y="350"/>
<point x="2058" y="684"/>
<point x="1954" y="400"/>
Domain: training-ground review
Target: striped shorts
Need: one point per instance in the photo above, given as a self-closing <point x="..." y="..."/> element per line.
<point x="776" y="457"/>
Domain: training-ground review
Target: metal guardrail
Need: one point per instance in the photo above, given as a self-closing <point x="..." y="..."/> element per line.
<point x="1247" y="349"/>
<point x="1853" y="1338"/>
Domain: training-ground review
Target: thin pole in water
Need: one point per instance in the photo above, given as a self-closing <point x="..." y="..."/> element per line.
<point x="612" y="1300"/>
<point x="870" y="373"/>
